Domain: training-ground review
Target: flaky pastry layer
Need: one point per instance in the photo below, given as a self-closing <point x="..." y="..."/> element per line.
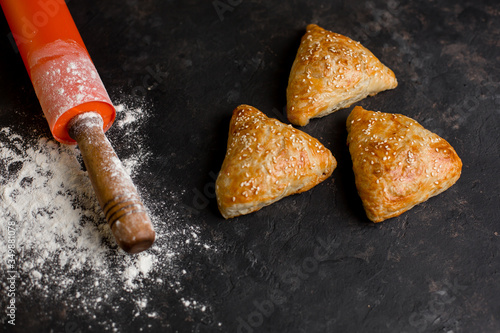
<point x="265" y="161"/>
<point x="397" y="163"/>
<point x="331" y="72"/>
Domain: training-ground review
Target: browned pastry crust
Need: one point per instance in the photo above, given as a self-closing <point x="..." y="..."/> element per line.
<point x="331" y="72"/>
<point x="397" y="163"/>
<point x="265" y="161"/>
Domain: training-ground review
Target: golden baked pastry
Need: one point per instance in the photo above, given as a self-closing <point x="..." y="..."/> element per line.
<point x="265" y="161"/>
<point x="397" y="163"/>
<point x="331" y="72"/>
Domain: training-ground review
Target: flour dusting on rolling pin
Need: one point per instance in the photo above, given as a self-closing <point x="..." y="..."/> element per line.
<point x="64" y="78"/>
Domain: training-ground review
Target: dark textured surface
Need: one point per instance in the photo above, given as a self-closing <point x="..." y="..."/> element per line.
<point x="311" y="262"/>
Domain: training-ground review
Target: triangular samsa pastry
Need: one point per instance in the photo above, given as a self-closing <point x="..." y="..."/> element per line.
<point x="265" y="161"/>
<point x="397" y="163"/>
<point x="331" y="72"/>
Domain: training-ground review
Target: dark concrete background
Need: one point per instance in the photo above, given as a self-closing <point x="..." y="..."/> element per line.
<point x="311" y="262"/>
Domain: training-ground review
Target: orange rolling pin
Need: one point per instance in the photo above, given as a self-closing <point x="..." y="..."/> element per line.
<point x="78" y="109"/>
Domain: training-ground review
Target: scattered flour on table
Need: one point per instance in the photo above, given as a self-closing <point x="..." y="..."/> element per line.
<point x="64" y="249"/>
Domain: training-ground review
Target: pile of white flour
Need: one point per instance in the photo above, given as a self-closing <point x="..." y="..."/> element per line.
<point x="64" y="249"/>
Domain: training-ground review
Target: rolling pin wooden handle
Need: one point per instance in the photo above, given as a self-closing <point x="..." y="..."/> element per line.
<point x="114" y="188"/>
